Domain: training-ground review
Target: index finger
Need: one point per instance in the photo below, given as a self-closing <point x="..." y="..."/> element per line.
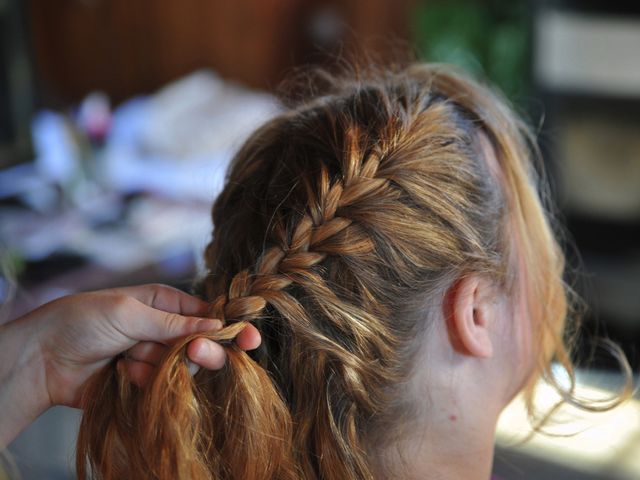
<point x="167" y="299"/>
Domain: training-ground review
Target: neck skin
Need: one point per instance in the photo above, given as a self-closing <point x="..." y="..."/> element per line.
<point x="456" y="440"/>
<point x="459" y="399"/>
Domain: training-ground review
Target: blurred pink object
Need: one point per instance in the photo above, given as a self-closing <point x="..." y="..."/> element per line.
<point x="94" y="116"/>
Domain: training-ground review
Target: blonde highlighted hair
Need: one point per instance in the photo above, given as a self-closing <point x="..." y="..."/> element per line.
<point x="342" y="222"/>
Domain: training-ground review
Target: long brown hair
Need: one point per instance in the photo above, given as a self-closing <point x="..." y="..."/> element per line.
<point x="341" y="224"/>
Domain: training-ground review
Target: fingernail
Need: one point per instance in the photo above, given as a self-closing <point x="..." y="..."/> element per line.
<point x="193" y="368"/>
<point x="209" y="324"/>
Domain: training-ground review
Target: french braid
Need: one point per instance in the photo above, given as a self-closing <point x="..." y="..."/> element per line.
<point x="341" y="224"/>
<point x="280" y="266"/>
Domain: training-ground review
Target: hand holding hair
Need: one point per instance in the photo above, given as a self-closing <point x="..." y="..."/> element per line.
<point x="47" y="356"/>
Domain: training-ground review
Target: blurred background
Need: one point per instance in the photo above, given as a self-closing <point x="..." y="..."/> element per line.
<point x="118" y="119"/>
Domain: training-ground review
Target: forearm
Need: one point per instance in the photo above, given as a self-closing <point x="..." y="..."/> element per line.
<point x="23" y="394"/>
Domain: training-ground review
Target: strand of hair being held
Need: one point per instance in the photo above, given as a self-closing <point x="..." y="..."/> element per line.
<point x="229" y="424"/>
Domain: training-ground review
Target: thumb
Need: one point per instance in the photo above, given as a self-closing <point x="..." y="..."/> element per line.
<point x="146" y="323"/>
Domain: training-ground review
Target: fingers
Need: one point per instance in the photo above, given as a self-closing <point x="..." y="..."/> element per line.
<point x="202" y="351"/>
<point x="143" y="358"/>
<point x="148" y="352"/>
<point x="162" y="314"/>
<point x="140" y="322"/>
<point x="207" y="354"/>
<point x="249" y="338"/>
<point x="168" y="299"/>
<point x="137" y="372"/>
<point x="211" y="355"/>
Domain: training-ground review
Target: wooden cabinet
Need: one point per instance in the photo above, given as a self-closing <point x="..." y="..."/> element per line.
<point x="126" y="47"/>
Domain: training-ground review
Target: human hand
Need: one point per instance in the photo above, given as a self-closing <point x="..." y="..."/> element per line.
<point x="80" y="333"/>
<point x="47" y="355"/>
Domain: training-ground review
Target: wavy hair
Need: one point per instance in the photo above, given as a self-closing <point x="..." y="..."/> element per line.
<point x="341" y="224"/>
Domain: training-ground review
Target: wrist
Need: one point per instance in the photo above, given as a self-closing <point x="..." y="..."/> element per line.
<point x="23" y="392"/>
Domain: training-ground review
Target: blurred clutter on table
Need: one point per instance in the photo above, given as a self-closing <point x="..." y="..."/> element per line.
<point x="123" y="196"/>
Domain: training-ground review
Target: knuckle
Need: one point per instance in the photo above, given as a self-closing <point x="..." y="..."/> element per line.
<point x="120" y="302"/>
<point x="175" y="322"/>
<point x="158" y="288"/>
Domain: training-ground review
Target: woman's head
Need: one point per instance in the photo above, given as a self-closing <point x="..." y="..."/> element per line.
<point x="382" y="193"/>
<point x="351" y="229"/>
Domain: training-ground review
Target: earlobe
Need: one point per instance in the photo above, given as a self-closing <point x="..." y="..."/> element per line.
<point x="469" y="317"/>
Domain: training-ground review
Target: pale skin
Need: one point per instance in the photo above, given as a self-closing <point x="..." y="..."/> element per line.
<point x="477" y="357"/>
<point x="47" y="355"/>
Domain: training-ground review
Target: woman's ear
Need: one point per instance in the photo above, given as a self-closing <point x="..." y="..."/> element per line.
<point x="468" y="315"/>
